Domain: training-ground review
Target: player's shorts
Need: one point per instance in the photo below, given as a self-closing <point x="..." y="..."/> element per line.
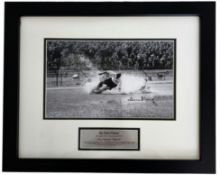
<point x="110" y="84"/>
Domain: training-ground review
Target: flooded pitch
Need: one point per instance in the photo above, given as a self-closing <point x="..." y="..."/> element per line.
<point x="155" y="103"/>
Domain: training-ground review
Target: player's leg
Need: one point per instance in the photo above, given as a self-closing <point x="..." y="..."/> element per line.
<point x="100" y="84"/>
<point x="102" y="89"/>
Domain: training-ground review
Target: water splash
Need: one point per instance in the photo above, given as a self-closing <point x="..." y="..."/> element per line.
<point x="91" y="84"/>
<point x="129" y="83"/>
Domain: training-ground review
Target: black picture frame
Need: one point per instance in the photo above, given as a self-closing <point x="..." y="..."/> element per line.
<point x="15" y="10"/>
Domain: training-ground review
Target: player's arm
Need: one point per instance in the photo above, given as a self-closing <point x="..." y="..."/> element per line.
<point x="111" y="72"/>
<point x="108" y="73"/>
<point x="105" y="72"/>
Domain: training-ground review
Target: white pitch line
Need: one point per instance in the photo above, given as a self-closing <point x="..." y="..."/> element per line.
<point x="75" y="87"/>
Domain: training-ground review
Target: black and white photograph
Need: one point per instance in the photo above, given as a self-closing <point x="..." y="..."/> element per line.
<point x="109" y="78"/>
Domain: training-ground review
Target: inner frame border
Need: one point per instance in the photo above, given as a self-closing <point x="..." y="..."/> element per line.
<point x="174" y="79"/>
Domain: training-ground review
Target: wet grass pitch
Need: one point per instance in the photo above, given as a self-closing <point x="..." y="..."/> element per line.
<point x="75" y="103"/>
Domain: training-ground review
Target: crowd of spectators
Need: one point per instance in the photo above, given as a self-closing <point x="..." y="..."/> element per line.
<point x="112" y="54"/>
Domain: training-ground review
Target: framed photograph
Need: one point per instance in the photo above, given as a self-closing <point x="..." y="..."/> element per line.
<point x="109" y="79"/>
<point x="109" y="87"/>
